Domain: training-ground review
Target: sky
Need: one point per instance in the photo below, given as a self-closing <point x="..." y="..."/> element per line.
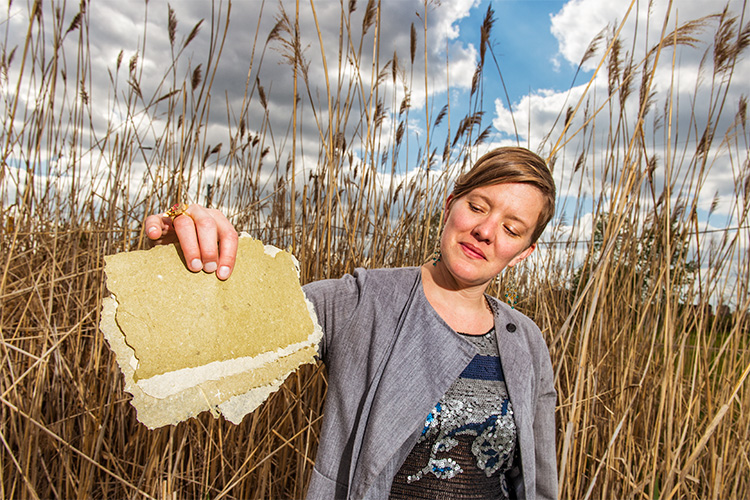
<point x="524" y="45"/>
<point x="537" y="47"/>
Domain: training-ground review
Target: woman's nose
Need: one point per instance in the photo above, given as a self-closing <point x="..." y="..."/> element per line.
<point x="484" y="230"/>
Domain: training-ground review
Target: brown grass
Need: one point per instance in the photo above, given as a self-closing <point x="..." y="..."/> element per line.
<point x="653" y="393"/>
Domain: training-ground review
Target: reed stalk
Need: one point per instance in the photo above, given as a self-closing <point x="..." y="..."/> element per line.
<point x="646" y="319"/>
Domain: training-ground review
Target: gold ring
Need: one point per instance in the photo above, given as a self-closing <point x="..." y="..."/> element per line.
<point x="176" y="210"/>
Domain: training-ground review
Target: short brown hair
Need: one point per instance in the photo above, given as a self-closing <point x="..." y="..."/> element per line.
<point x="512" y="164"/>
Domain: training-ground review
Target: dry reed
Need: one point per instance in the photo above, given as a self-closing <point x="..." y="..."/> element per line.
<point x="652" y="382"/>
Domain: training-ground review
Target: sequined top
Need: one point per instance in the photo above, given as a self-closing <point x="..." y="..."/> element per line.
<point x="468" y="440"/>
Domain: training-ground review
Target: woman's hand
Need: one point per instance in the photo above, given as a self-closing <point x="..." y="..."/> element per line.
<point x="207" y="238"/>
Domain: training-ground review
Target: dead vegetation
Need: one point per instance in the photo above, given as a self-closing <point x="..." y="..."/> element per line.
<point x="651" y="369"/>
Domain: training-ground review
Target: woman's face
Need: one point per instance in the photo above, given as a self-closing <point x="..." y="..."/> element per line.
<point x="488" y="229"/>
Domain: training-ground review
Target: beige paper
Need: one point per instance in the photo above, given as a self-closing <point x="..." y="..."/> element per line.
<point x="187" y="342"/>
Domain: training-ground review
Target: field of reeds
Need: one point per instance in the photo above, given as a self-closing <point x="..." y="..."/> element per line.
<point x="646" y="318"/>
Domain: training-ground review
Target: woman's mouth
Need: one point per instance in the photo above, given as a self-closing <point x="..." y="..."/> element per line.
<point x="472" y="251"/>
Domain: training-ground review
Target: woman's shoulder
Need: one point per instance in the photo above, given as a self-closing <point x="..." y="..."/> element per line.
<point x="386" y="283"/>
<point x="503" y="309"/>
<point x="361" y="281"/>
<point x="522" y="325"/>
<point x="388" y="274"/>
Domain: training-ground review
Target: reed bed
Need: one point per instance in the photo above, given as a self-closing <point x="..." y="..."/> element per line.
<point x="647" y="322"/>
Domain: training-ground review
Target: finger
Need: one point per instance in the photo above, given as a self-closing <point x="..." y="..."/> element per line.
<point x="205" y="227"/>
<point x="186" y="234"/>
<point x="227" y="246"/>
<point x="156" y="226"/>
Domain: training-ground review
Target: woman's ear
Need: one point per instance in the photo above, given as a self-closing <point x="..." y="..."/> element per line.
<point x="447" y="208"/>
<point x="518" y="258"/>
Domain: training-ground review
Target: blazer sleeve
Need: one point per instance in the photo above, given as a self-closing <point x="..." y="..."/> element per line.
<point x="335" y="302"/>
<point x="544" y="430"/>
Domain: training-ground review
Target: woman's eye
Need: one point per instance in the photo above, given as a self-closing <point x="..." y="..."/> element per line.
<point x="474" y="208"/>
<point x="511" y="231"/>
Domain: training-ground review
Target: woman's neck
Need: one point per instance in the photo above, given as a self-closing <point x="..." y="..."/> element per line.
<point x="465" y="309"/>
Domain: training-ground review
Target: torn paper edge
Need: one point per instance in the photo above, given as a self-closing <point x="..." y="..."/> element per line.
<point x="169" y="383"/>
<point x="234" y="409"/>
<point x="272" y="250"/>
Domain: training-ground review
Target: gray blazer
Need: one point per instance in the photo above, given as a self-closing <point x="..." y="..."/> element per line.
<point x="390" y="358"/>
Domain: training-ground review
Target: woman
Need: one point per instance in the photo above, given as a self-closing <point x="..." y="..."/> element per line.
<point x="436" y="390"/>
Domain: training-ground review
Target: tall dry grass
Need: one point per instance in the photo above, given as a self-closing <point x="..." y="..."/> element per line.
<point x="653" y="397"/>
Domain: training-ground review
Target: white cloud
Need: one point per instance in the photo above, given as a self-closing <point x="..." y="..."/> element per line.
<point x="693" y="102"/>
<point x="579" y="21"/>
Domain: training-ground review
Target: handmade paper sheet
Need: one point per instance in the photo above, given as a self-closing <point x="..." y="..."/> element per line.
<point x="187" y="342"/>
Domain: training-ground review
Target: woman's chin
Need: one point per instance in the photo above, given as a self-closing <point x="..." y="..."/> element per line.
<point x="469" y="275"/>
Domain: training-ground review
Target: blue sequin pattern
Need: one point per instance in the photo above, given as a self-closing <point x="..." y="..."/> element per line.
<point x="476" y="405"/>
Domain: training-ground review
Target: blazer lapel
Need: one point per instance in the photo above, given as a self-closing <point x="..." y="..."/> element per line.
<point x="518" y="371"/>
<point x="427" y="357"/>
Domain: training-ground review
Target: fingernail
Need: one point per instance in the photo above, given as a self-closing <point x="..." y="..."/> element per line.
<point x="223" y="272"/>
<point x="153" y="232"/>
<point x="210" y="267"/>
<point x="196" y="265"/>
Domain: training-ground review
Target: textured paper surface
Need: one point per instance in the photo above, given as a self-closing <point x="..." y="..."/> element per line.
<point x="187" y="342"/>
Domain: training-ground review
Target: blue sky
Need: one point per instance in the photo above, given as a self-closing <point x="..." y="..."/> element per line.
<point x="523" y="44"/>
